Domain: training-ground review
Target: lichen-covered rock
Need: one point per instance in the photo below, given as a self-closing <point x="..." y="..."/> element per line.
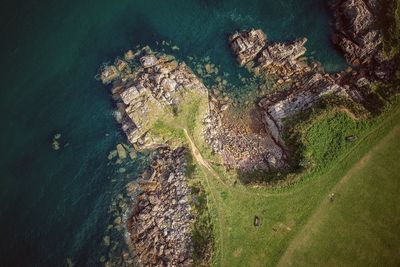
<point x="121" y="151"/>
<point x="148" y="61"/>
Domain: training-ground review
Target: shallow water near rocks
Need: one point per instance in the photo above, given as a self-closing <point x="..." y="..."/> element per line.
<point x="54" y="203"/>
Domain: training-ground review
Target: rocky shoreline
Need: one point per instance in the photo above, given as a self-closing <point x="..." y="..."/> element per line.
<point x="146" y="86"/>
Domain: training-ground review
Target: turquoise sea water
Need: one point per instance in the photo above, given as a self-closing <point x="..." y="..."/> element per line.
<point x="53" y="204"/>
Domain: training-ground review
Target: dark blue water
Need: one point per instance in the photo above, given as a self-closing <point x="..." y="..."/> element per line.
<point x="53" y="204"/>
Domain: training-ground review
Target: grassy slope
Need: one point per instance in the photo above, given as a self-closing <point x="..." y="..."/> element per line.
<point x="170" y="124"/>
<point x="361" y="226"/>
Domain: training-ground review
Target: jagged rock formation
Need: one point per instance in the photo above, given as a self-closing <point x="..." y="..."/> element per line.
<point x="144" y="83"/>
<point x="307" y="84"/>
<point x="160" y="224"/>
<point x="357" y="35"/>
<point x="307" y="91"/>
<point x="258" y="142"/>
<point x="283" y="58"/>
<point x="247" y="44"/>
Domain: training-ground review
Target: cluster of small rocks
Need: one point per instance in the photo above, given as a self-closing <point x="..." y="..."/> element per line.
<point x="160" y="225"/>
<point x="231" y="137"/>
<point x="142" y="84"/>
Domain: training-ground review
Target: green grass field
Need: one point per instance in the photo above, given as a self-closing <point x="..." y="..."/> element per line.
<point x="360" y="226"/>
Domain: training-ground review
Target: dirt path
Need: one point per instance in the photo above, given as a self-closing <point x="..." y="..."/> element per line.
<point x="199" y="158"/>
<point x="314" y="221"/>
<point x="207" y="168"/>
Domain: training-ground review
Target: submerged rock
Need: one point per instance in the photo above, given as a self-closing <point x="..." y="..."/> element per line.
<point x="132" y="155"/>
<point x="109" y="74"/>
<point x="121" y="151"/>
<point x="56" y="144"/>
<point x="69" y="262"/>
<point x="117" y="221"/>
<point x="112" y="154"/>
<point x="106" y="241"/>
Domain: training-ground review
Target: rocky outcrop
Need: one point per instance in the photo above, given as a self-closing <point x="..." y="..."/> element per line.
<point x="306" y="83"/>
<point x="357" y="35"/>
<point x="254" y="142"/>
<point x="143" y="84"/>
<point x="247" y="44"/>
<point x="160" y="225"/>
<point x="283" y="58"/>
<point x="303" y="94"/>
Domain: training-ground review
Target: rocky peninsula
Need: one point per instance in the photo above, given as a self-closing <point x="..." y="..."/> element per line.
<point x="150" y="88"/>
